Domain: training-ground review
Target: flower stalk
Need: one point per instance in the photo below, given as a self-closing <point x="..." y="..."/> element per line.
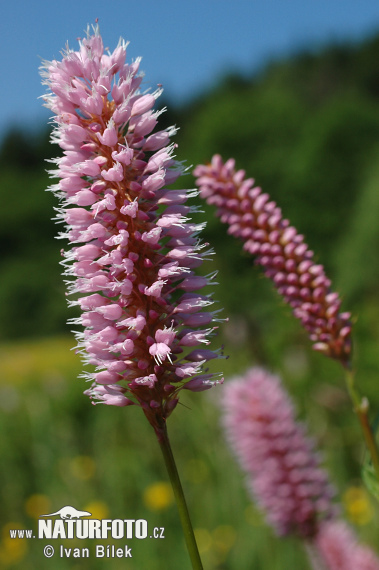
<point x="361" y="408"/>
<point x="185" y="520"/>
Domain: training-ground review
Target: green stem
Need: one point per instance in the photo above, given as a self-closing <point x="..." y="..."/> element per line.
<point x="189" y="536"/>
<point x="361" y="407"/>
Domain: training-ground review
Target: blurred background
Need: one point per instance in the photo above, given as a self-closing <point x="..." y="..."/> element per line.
<point x="291" y="90"/>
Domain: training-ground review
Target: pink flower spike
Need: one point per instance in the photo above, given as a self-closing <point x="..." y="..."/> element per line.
<point x="280" y="250"/>
<point x="283" y="472"/>
<point x="340" y="550"/>
<point x="113" y="185"/>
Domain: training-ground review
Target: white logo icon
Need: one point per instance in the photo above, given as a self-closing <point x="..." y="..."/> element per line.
<point x="69" y="513"/>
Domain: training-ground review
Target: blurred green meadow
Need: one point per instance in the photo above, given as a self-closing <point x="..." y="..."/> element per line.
<point x="308" y="130"/>
<point x="57" y="449"/>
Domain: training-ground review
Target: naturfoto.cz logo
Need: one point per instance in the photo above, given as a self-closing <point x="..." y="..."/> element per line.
<point x="73" y="523"/>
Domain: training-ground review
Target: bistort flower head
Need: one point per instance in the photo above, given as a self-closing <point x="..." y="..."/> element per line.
<point x="340" y="549"/>
<point x="134" y="246"/>
<point x="283" y="471"/>
<point x="281" y="251"/>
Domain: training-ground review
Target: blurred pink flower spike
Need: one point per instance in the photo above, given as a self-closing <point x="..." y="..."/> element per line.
<point x="283" y="471"/>
<point x="339" y="548"/>
<point x="281" y="251"/>
<point x="134" y="246"/>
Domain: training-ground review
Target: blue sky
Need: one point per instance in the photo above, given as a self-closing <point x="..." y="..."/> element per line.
<point x="185" y="45"/>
